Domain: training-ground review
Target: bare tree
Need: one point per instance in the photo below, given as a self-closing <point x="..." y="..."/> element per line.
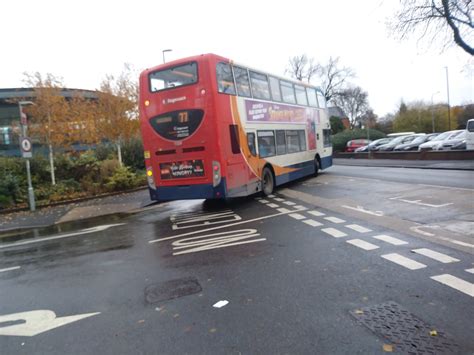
<point x="333" y="77"/>
<point x="435" y="18"/>
<point x="301" y="68"/>
<point x="354" y="102"/>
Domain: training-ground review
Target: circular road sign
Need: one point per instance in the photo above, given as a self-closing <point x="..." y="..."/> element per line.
<point x="26" y="144"/>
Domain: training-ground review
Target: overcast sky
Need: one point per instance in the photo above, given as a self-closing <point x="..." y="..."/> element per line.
<point x="82" y="41"/>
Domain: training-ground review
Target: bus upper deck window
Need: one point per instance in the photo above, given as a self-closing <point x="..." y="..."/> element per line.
<point x="180" y="75"/>
<point x="225" y="80"/>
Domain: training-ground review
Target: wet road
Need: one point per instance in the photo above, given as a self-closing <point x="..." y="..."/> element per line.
<point x="332" y="265"/>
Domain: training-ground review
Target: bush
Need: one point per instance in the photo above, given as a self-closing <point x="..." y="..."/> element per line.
<point x="10" y="192"/>
<point x="122" y="179"/>
<point x="132" y="153"/>
<point x="340" y="140"/>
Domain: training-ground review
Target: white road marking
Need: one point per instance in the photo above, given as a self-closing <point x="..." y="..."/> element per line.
<point x="363" y="210"/>
<point x="460" y="243"/>
<point x="215" y="241"/>
<point x="358" y="228"/>
<point x="334" y="232"/>
<point x="283" y="210"/>
<point x="362" y="244"/>
<point x="316" y="213"/>
<point x="289" y="203"/>
<point x="312" y="223"/>
<point x="447" y="187"/>
<point x="279" y="199"/>
<point x="442" y="258"/>
<point x="219" y="227"/>
<point x="334" y="219"/>
<point x="301" y="208"/>
<point x="271" y="196"/>
<point x="273" y="205"/>
<point x="40" y="240"/>
<point x="470" y="270"/>
<point x="204" y="220"/>
<point x="37" y="322"/>
<point x="403" y="261"/>
<point x="296" y="216"/>
<point x="456" y="283"/>
<point x="419" y="202"/>
<point x="417" y="229"/>
<point x="10" y="268"/>
<point x="263" y="201"/>
<point x="220" y="304"/>
<point x="390" y="240"/>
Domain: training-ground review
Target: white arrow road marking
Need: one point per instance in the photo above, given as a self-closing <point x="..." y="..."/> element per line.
<point x="361" y="209"/>
<point x="61" y="236"/>
<point x="36" y="322"/>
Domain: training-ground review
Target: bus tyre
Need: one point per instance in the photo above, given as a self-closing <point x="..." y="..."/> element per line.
<point x="316" y="167"/>
<point x="268" y="182"/>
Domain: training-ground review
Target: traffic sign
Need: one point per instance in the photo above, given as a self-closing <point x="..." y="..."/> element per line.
<point x="26" y="147"/>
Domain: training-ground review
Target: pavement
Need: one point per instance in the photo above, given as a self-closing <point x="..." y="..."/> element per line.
<point x="420" y="164"/>
<point x="134" y="201"/>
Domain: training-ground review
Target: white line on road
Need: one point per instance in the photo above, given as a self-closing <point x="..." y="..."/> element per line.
<point x="447" y="187"/>
<point x="358" y="228"/>
<point x="273" y="205"/>
<point x="334" y="219"/>
<point x="83" y="231"/>
<point x="442" y="258"/>
<point x="289" y="203"/>
<point x="312" y="223"/>
<point x="219" y="227"/>
<point x="10" y="268"/>
<point x="363" y="210"/>
<point x="470" y="270"/>
<point x="390" y="240"/>
<point x="299" y="207"/>
<point x="279" y="199"/>
<point x="296" y="216"/>
<point x="403" y="261"/>
<point x="283" y="210"/>
<point x="459" y="243"/>
<point x="263" y="201"/>
<point x="362" y="244"/>
<point x="456" y="283"/>
<point x="419" y="202"/>
<point x="316" y="213"/>
<point x="334" y="232"/>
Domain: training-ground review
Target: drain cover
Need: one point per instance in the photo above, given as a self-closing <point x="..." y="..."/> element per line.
<point x="172" y="289"/>
<point x="403" y="329"/>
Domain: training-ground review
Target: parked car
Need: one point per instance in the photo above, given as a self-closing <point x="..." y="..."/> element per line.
<point x="377" y="143"/>
<point x="470" y="134"/>
<point x="398" y="140"/>
<point x="436" y="142"/>
<point x="362" y="149"/>
<point x="356" y="143"/>
<point x="413" y="145"/>
<point x="450" y="143"/>
<point x="460" y="146"/>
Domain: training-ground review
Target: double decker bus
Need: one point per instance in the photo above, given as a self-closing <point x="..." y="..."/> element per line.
<point x="215" y="129"/>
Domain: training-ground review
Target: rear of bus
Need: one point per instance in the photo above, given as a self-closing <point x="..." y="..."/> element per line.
<point x="178" y="125"/>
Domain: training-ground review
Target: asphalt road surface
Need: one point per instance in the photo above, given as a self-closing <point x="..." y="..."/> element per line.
<point x="355" y="261"/>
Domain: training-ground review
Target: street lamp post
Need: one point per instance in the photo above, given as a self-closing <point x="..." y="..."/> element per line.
<point x="163" y="52"/>
<point x="24" y="127"/>
<point x="432" y="111"/>
<point x="449" y="107"/>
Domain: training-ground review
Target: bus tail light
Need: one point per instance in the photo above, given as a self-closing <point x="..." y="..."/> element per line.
<point x="216" y="173"/>
<point x="149" y="177"/>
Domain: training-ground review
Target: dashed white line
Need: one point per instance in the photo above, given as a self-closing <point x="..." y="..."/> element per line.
<point x="312" y="222"/>
<point x="273" y="205"/>
<point x="470" y="270"/>
<point x="362" y="244"/>
<point x="296" y="216"/>
<point x="442" y="258"/>
<point x="461" y="243"/>
<point x="334" y="219"/>
<point x="301" y="208"/>
<point x="283" y="210"/>
<point x="271" y="196"/>
<point x="289" y="203"/>
<point x="403" y="261"/>
<point x="456" y="283"/>
<point x="10" y="268"/>
<point x="263" y="201"/>
<point x="358" y="228"/>
<point x="390" y="240"/>
<point x="279" y="199"/>
<point x="334" y="232"/>
<point x="316" y="213"/>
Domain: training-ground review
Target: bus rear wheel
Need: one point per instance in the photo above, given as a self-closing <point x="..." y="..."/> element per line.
<point x="268" y="182"/>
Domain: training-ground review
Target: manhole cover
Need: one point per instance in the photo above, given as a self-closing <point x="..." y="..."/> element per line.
<point x="172" y="289"/>
<point x="403" y="329"/>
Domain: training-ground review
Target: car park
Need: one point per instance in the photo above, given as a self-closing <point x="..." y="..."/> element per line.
<point x="352" y="145"/>
<point x="377" y="143"/>
<point x="438" y="141"/>
<point x="450" y="143"/>
<point x="398" y="140"/>
<point x="414" y="144"/>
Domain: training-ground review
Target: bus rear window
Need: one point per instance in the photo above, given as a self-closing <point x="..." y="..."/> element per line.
<point x="177" y="125"/>
<point x="173" y="77"/>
